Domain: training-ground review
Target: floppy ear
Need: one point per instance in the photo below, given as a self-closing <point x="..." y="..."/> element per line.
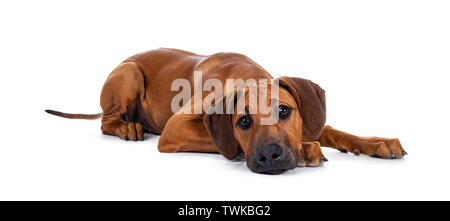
<point x="310" y="99"/>
<point x="220" y="129"/>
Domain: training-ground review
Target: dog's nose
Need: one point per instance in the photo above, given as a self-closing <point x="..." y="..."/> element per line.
<point x="269" y="155"/>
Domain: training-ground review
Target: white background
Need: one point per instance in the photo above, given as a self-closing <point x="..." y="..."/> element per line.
<point x="384" y="65"/>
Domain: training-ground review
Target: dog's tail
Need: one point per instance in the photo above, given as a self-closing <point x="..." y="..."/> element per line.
<point x="75" y="116"/>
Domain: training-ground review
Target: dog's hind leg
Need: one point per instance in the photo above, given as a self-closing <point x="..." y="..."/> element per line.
<point x="120" y="100"/>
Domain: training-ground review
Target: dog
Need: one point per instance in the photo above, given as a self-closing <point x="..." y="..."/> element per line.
<point x="137" y="98"/>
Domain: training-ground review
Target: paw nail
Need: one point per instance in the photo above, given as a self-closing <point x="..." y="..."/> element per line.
<point x="376" y="156"/>
<point x="126" y="138"/>
<point x="323" y="159"/>
<point x="135" y="138"/>
<point x="356" y="152"/>
<point x="392" y="156"/>
<point x="404" y="153"/>
<point x="343" y="151"/>
<point x="142" y="138"/>
<point x="307" y="160"/>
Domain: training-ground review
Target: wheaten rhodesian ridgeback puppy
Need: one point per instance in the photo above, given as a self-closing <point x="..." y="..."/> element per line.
<point x="137" y="97"/>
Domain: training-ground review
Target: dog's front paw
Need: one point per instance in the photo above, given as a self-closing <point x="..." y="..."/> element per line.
<point x="310" y="155"/>
<point x="386" y="148"/>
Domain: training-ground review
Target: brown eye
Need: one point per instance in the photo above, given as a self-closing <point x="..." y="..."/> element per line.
<point x="284" y="111"/>
<point x="245" y="122"/>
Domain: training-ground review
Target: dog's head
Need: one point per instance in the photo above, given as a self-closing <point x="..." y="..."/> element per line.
<point x="271" y="149"/>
